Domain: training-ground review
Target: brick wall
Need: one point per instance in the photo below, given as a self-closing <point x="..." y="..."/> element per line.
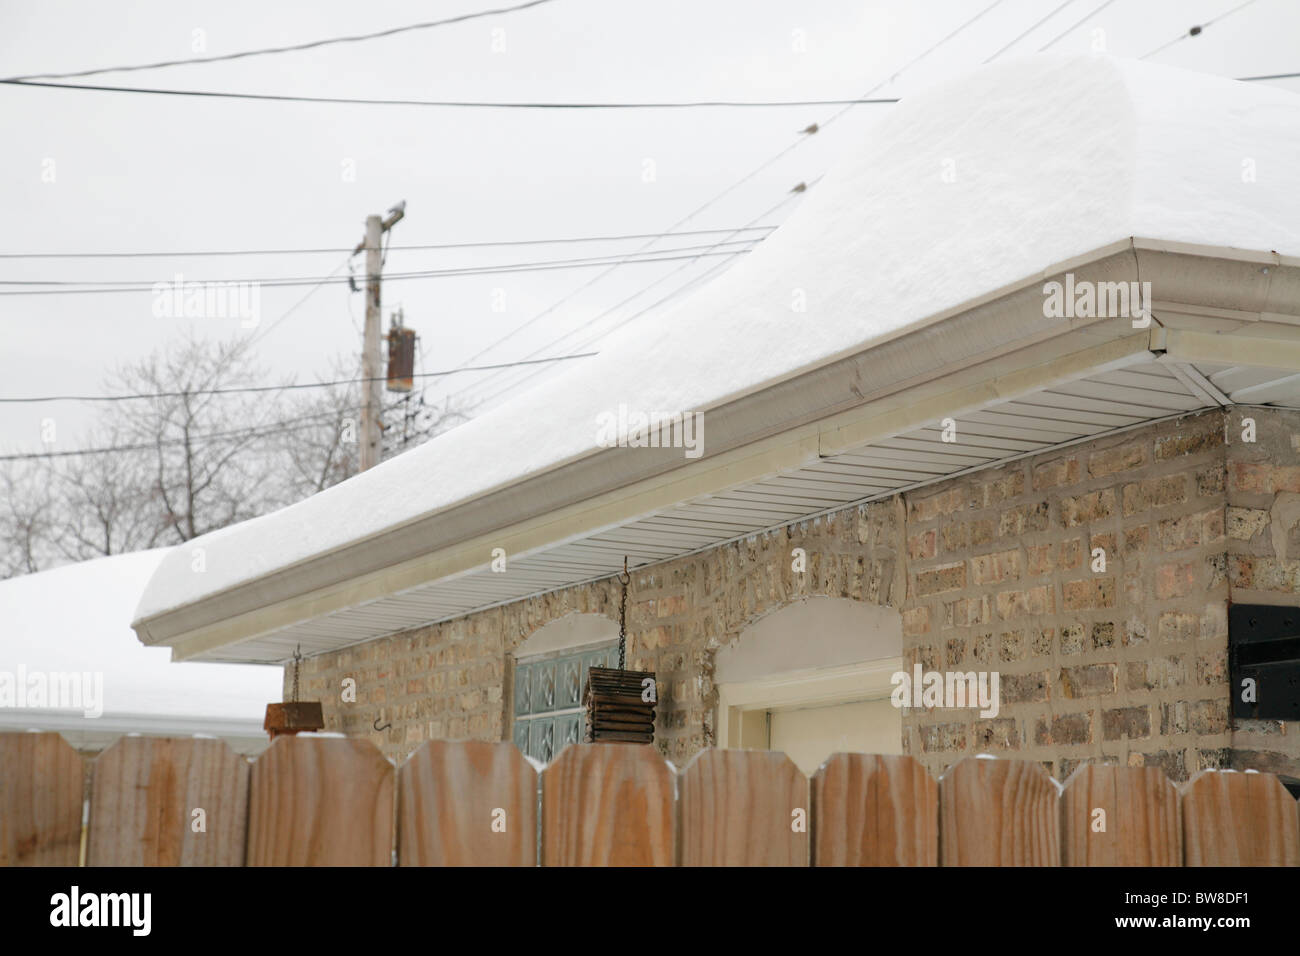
<point x="1263" y="554"/>
<point x="452" y="680"/>
<point x="992" y="571"/>
<point x="1125" y="664"/>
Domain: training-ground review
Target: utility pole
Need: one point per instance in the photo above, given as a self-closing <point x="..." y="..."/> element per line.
<point x="372" y="400"/>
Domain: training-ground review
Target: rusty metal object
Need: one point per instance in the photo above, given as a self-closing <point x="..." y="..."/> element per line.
<point x="401" y="358"/>
<point x="293" y="717"/>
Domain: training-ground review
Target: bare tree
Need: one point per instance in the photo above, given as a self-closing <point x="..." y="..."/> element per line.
<point x="194" y="450"/>
<point x="325" y="449"/>
<point x="206" y="443"/>
<point x="26" y="515"/>
<point x="410" y="421"/>
<point x="106" y="503"/>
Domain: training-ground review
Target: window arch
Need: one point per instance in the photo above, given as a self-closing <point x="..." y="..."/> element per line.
<point x="549" y="677"/>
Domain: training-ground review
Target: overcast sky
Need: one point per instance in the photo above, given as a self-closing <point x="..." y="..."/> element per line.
<point x="134" y="172"/>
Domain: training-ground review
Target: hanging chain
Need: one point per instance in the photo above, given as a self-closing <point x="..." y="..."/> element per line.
<point x="623" y="579"/>
<point x="297" y="659"/>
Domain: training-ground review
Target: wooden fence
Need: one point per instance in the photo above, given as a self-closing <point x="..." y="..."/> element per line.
<point x="331" y="801"/>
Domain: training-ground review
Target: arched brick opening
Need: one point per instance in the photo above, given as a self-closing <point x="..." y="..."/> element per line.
<point x="811" y="678"/>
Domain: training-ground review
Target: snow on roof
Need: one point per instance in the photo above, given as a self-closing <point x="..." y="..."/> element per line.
<point x="76" y="619"/>
<point x="1052" y="158"/>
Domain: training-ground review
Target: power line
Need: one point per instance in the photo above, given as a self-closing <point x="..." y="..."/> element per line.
<point x="299" y="423"/>
<point x="448" y="104"/>
<point x="349" y="249"/>
<point x="274" y="428"/>
<point x="277" y="388"/>
<point x="282" y="426"/>
<point x="267" y="51"/>
<point x="766" y="164"/>
<point x="684" y="287"/>
<point x="106" y="287"/>
<point x="267" y="330"/>
<point x="1036" y="25"/>
<point x="287" y="280"/>
<point x="814" y="128"/>
<point x="1074" y="26"/>
<point x="1270" y="76"/>
<point x="1196" y="30"/>
<point x="635" y="295"/>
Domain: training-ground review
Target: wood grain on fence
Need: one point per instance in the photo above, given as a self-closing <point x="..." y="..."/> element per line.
<point x="1239" y="819"/>
<point x="743" y="808"/>
<point x="329" y="801"/>
<point x="41" y="780"/>
<point x="468" y="803"/>
<point x="607" y="805"/>
<point x="321" y="801"/>
<point x="873" y="810"/>
<point x="144" y="794"/>
<point x="998" y="813"/>
<point x="1138" y="824"/>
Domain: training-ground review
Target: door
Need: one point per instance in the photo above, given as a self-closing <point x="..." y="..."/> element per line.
<point x="810" y="734"/>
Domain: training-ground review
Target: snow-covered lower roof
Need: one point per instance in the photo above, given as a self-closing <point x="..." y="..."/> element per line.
<point x="959" y="193"/>
<point x="76" y="620"/>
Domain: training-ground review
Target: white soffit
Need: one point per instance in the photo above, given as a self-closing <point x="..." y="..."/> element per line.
<point x="1144" y="390"/>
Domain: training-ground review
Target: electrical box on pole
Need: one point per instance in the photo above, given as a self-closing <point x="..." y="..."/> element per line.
<point x="401" y="355"/>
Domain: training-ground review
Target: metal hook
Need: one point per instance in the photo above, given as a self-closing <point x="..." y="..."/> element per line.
<point x="379" y="729"/>
<point x="624" y="578"/>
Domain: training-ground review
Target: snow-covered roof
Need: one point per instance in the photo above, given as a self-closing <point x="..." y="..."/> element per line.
<point x="76" y="620"/>
<point x="1049" y="158"/>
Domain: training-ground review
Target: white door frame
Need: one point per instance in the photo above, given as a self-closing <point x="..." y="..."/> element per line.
<point x="866" y="680"/>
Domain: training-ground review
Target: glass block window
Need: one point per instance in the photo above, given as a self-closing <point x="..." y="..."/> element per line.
<point x="549" y="688"/>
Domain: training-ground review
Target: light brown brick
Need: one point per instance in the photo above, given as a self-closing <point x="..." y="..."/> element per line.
<point x="949" y="577"/>
<point x="1113" y="460"/>
<point x="1089" y="680"/>
<point x="995" y="567"/>
<point x="1096" y="592"/>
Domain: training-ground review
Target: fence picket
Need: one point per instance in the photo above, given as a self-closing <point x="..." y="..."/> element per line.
<point x="467" y="803"/>
<point x="41" y="779"/>
<point x="1239" y="819"/>
<point x="872" y="810"/>
<point x="1141" y="825"/>
<point x="329" y="801"/>
<point x="143" y="795"/>
<point x="607" y="805"/>
<point x="321" y="801"/>
<point x="998" y="813"/>
<point x="743" y="808"/>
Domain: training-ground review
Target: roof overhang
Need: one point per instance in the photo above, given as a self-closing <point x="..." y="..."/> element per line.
<point x="859" y="427"/>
